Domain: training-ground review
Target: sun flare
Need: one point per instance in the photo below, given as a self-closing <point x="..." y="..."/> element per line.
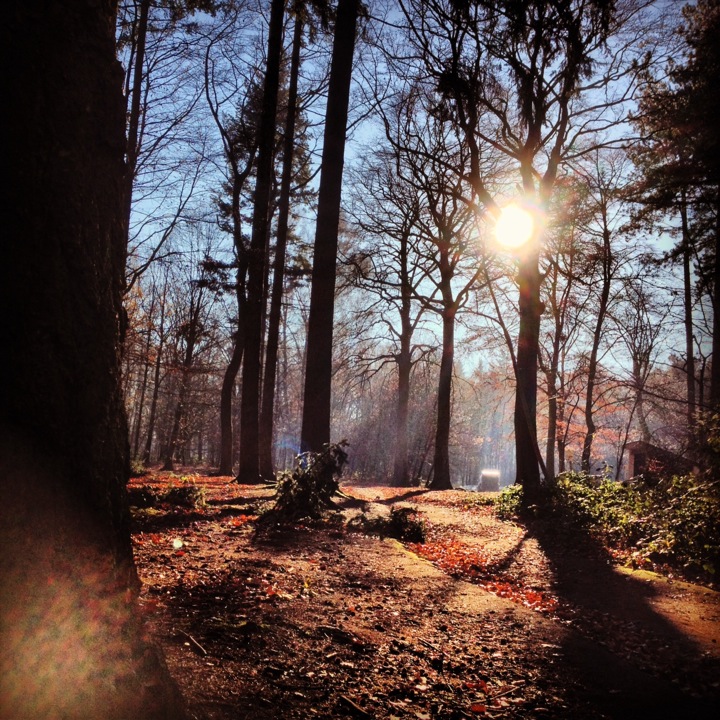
<point x="514" y="227"/>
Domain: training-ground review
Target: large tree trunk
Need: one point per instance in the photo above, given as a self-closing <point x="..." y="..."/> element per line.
<point x="249" y="470"/>
<point x="318" y="371"/>
<point x="267" y="414"/>
<point x="526" y="448"/>
<point x="441" y="462"/>
<point x="71" y="643"/>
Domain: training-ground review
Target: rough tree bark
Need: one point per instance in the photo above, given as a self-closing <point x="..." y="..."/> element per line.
<point x="71" y="644"/>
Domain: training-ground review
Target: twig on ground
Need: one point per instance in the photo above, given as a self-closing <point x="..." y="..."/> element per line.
<point x="194" y="644"/>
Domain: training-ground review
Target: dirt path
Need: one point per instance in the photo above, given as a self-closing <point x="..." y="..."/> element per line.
<point x="499" y="623"/>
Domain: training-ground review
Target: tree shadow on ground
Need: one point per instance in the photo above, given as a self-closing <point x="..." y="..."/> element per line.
<point x="409" y="495"/>
<point x="635" y="664"/>
<point x="179" y="518"/>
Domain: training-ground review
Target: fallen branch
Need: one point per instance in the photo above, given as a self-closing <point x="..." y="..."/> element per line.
<point x="516" y="686"/>
<point x="195" y="644"/>
<point x="354" y="707"/>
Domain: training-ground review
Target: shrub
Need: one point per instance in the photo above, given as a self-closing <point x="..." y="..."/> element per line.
<point x="508" y="503"/>
<point x="137" y="468"/>
<point x="684" y="527"/>
<point x="707" y="438"/>
<point x="405" y="524"/>
<point x="617" y="511"/>
<point x="142" y="497"/>
<point x="673" y="523"/>
<point x="188" y="495"/>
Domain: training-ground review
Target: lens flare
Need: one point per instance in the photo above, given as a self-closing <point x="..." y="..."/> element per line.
<point x="514" y="226"/>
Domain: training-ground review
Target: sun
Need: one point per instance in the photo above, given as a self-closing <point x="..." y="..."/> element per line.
<point x="514" y="227"/>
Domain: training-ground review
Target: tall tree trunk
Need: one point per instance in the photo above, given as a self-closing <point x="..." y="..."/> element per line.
<point x="714" y="399"/>
<point x="176" y="440"/>
<point x="238" y="177"/>
<point x="143" y="388"/>
<point x="140" y="405"/>
<point x="226" y="398"/>
<point x="688" y="313"/>
<point x="552" y="423"/>
<point x="562" y="419"/>
<point x="404" y="366"/>
<point x="133" y="111"/>
<point x="74" y="647"/>
<point x="441" y="462"/>
<point x="594" y="350"/>
<point x="156" y="384"/>
<point x="645" y="434"/>
<point x="227" y="390"/>
<point x="552" y="376"/>
<point x="267" y="414"/>
<point x="318" y="371"/>
<point x="249" y="470"/>
<point x="525" y="423"/>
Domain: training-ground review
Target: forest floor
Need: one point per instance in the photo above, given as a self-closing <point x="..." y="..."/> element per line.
<point x="486" y="619"/>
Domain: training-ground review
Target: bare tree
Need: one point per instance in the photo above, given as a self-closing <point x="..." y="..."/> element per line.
<point x="166" y="145"/>
<point x="515" y="78"/>
<point x="388" y="210"/>
<point x="239" y="138"/>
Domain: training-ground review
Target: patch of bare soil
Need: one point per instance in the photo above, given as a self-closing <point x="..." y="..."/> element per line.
<point x="486" y="619"/>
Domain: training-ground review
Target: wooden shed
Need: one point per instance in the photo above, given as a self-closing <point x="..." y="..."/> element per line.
<point x="652" y="461"/>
